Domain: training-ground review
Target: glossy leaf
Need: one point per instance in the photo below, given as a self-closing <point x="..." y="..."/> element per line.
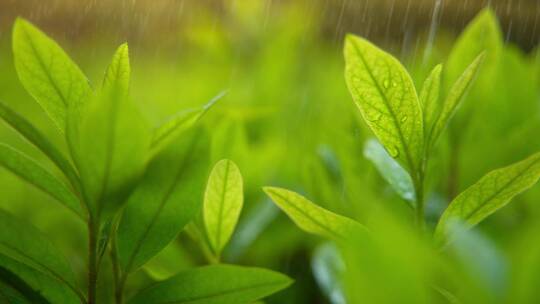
<point x="385" y="94"/>
<point x="489" y="194"/>
<point x="217" y="284"/>
<point x="26" y="253"/>
<point x="429" y="99"/>
<point x="167" y="198"/>
<point x="47" y="72"/>
<point x="454" y="98"/>
<point x="223" y="200"/>
<point x="35" y="137"/>
<point x="181" y="122"/>
<point x="109" y="140"/>
<point x="390" y="170"/>
<point x="33" y="173"/>
<point x="312" y="218"/>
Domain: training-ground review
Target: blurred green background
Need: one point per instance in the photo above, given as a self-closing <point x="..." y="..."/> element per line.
<point x="289" y="121"/>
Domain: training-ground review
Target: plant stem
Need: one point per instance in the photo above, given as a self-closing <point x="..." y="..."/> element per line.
<point x="420" y="208"/>
<point x="92" y="260"/>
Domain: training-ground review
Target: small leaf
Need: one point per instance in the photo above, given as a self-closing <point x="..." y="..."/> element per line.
<point x="167" y="198"/>
<point x="223" y="202"/>
<point x="429" y="99"/>
<point x="390" y="170"/>
<point x="385" y="94"/>
<point x="47" y="72"/>
<point x="33" y="173"/>
<point x="216" y="284"/>
<point x="489" y="194"/>
<point x="312" y="218"/>
<point x="454" y="98"/>
<point x="109" y="140"/>
<point x="35" y="137"/>
<point x="179" y="123"/>
<point x="25" y="252"/>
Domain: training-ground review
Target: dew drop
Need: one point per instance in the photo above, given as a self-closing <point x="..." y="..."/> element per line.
<point x="404" y="118"/>
<point x="394" y="84"/>
<point x="375" y="117"/>
<point x="393" y="151"/>
<point x="386" y="83"/>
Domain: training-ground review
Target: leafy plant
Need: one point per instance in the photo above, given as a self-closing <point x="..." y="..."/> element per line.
<point x="135" y="187"/>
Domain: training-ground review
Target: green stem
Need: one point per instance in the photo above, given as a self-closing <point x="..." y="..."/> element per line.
<point x="420" y="206"/>
<point x="92" y="260"/>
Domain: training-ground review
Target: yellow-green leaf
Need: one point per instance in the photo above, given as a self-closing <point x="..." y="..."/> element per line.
<point x="429" y="99"/>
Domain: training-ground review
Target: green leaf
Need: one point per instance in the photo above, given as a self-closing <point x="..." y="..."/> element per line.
<point x="35" y="137"/>
<point x="47" y="72"/>
<point x="385" y="94"/>
<point x="453" y="99"/>
<point x="25" y="252"/>
<point x="328" y="267"/>
<point x="179" y="123"/>
<point x="167" y="198"/>
<point x="216" y="284"/>
<point x="223" y="200"/>
<point x="109" y="140"/>
<point x="312" y="218"/>
<point x="429" y="99"/>
<point x="489" y="194"/>
<point x="19" y="293"/>
<point x="33" y="173"/>
<point x="391" y="171"/>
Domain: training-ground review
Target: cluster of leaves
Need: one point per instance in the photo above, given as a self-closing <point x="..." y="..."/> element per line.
<point x="135" y="187"/>
<point x="407" y="126"/>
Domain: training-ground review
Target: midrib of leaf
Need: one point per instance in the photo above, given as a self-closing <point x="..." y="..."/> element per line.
<point x="320" y="224"/>
<point x="220" y="217"/>
<point x="44" y="269"/>
<point x="505" y="185"/>
<point x="44" y="68"/>
<point x="220" y="294"/>
<point x="387" y="104"/>
<point x="178" y="175"/>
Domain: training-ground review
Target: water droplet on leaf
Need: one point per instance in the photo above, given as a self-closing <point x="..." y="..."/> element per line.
<point x="393" y="151"/>
<point x="404" y="118"/>
<point x="386" y="83"/>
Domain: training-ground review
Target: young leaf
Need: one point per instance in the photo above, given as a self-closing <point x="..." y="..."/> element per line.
<point x="223" y="201"/>
<point x="385" y="94"/>
<point x="490" y="193"/>
<point x="33" y="173"/>
<point x="453" y="99"/>
<point x="47" y="72"/>
<point x="109" y="140"/>
<point x="312" y="218"/>
<point x="182" y="121"/>
<point x="216" y="284"/>
<point x="24" y="250"/>
<point x="429" y="99"/>
<point x="391" y="171"/>
<point x="35" y="137"/>
<point x="167" y="198"/>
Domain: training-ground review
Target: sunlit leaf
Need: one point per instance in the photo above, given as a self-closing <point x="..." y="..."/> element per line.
<point x="109" y="140"/>
<point x="217" y="284"/>
<point x="47" y="72"/>
<point x="35" y="137"/>
<point x="385" y="94"/>
<point x="167" y="198"/>
<point x="430" y="99"/>
<point x="33" y="173"/>
<point x="391" y="171"/>
<point x="312" y="218"/>
<point x="26" y="253"/>
<point x="489" y="194"/>
<point x="223" y="202"/>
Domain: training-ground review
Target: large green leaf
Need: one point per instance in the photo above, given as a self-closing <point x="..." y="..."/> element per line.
<point x="47" y="72"/>
<point x="489" y="194"/>
<point x="429" y="99"/>
<point x="217" y="284"/>
<point x="223" y="200"/>
<point x="312" y="218"/>
<point x="453" y="99"/>
<point x="385" y="94"/>
<point x="33" y="173"/>
<point x="167" y="198"/>
<point x="26" y="253"/>
<point x="109" y="140"/>
<point x="179" y="123"/>
<point x="35" y="137"/>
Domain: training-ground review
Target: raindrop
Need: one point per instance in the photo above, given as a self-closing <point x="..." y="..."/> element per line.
<point x="393" y="151"/>
<point x="404" y="118"/>
<point x="394" y="84"/>
<point x="375" y="117"/>
<point x="386" y="83"/>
